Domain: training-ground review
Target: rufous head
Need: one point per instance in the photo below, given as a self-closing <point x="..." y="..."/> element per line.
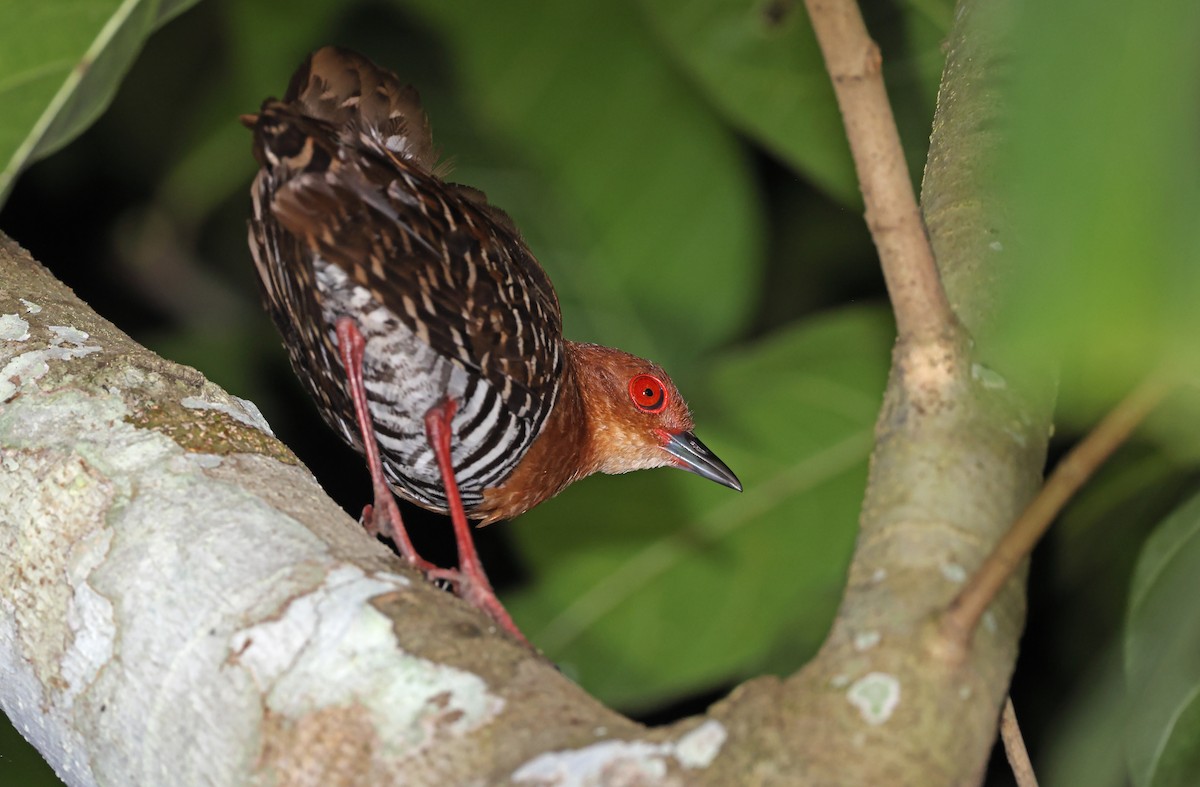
<point x="638" y="419"/>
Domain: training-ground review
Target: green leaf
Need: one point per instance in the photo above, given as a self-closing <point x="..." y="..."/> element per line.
<point x="765" y="71"/>
<point x="646" y="219"/>
<point x="1101" y="175"/>
<point x="60" y="64"/>
<point x="760" y="64"/>
<point x="1162" y="655"/>
<point x="659" y="583"/>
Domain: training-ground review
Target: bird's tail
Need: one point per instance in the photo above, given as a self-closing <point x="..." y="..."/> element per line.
<point x="349" y="91"/>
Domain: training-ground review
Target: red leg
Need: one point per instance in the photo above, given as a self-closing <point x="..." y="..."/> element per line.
<point x="351" y="345"/>
<point x="473" y="586"/>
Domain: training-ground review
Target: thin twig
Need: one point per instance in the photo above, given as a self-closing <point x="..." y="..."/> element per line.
<point x="855" y="66"/>
<point x="1014" y="746"/>
<point x="960" y="619"/>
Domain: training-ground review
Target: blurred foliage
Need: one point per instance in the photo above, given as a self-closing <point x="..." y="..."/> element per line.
<point x="763" y="71"/>
<point x="1103" y="174"/>
<point x="57" y="82"/>
<point x="1162" y="667"/>
<point x="680" y="170"/>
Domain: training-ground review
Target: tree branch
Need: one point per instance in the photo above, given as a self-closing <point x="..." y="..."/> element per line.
<point x="855" y="66"/>
<point x="1014" y="747"/>
<point x="959" y="622"/>
<point x="959" y="451"/>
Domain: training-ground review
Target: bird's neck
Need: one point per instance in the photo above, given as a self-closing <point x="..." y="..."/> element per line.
<point x="563" y="453"/>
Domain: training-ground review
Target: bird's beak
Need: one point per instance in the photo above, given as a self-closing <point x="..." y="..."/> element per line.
<point x="692" y="455"/>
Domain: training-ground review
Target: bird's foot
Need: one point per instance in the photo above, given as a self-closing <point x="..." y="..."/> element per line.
<point x="377" y="522"/>
<point x="367" y="520"/>
<point x="476" y="591"/>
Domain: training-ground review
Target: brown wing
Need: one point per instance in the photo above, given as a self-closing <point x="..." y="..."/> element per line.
<point x="451" y="267"/>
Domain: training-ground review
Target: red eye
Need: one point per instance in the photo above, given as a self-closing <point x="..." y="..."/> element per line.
<point x="648" y="393"/>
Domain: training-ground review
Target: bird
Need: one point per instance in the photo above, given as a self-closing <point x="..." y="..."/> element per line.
<point x="421" y="324"/>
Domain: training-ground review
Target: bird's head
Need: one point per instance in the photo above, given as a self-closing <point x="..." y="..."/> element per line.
<point x="638" y="420"/>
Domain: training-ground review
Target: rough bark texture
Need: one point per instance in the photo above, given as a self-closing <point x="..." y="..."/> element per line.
<point x="180" y="603"/>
